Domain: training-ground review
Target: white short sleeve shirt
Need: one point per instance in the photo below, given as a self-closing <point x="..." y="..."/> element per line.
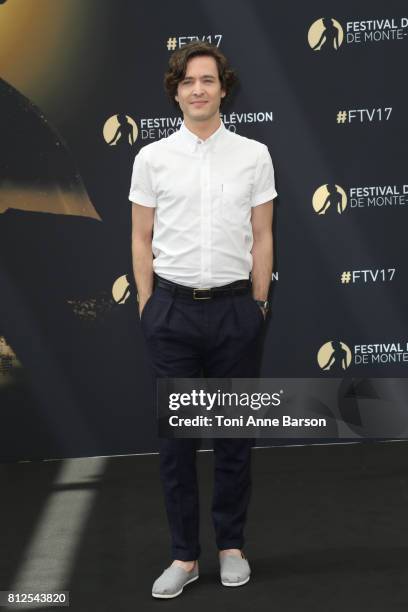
<point x="203" y="192"/>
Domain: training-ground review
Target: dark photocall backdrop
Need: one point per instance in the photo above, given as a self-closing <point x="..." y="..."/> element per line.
<point x="81" y="93"/>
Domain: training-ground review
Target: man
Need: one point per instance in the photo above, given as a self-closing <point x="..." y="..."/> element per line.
<point x="205" y="193"/>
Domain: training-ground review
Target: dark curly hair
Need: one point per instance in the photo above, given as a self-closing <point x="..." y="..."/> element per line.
<point x="178" y="66"/>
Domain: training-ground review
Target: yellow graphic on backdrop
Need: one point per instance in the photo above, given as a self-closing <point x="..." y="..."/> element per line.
<point x="325" y="33"/>
<point x="329" y="195"/>
<point x="120" y="130"/>
<point x="334" y="355"/>
<point x="121" y="289"/>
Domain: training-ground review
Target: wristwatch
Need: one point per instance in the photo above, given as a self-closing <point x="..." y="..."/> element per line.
<point x="263" y="304"/>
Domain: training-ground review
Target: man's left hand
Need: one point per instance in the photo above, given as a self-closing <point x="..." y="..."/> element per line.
<point x="264" y="311"/>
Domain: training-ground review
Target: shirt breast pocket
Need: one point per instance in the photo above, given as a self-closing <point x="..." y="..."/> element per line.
<point x="235" y="201"/>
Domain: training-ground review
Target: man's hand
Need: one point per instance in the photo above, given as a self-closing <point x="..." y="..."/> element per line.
<point x="264" y="311"/>
<point x="142" y="232"/>
<point x="142" y="304"/>
<point x="262" y="251"/>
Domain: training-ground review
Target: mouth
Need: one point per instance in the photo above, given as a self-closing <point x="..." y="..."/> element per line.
<point x="199" y="102"/>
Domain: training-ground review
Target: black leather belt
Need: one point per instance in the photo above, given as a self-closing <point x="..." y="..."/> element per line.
<point x="240" y="286"/>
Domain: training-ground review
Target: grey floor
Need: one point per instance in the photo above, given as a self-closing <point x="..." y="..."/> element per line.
<point x="327" y="530"/>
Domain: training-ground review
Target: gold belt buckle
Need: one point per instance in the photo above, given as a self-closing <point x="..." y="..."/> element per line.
<point x="195" y="297"/>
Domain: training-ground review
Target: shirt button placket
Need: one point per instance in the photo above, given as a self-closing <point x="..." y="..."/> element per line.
<point x="205" y="218"/>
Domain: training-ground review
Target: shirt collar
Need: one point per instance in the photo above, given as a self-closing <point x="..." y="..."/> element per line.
<point x="193" y="141"/>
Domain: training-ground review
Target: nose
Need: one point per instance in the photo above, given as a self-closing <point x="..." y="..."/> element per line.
<point x="197" y="89"/>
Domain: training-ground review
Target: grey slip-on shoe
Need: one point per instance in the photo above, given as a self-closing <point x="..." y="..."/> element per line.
<point x="234" y="571"/>
<point x="172" y="581"/>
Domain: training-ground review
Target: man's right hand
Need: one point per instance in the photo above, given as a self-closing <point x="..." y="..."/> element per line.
<point x="142" y="304"/>
<point x="142" y="256"/>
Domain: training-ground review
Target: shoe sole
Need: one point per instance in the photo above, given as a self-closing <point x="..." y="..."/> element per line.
<point x="166" y="596"/>
<point x="233" y="584"/>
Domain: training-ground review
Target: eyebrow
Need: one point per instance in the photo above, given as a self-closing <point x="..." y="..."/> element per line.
<point x="205" y="76"/>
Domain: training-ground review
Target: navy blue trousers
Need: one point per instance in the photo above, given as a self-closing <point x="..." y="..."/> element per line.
<point x="215" y="338"/>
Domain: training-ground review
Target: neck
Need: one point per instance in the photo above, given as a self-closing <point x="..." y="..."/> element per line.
<point x="203" y="129"/>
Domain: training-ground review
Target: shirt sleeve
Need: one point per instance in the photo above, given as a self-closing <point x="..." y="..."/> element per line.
<point x="141" y="189"/>
<point x="264" y="184"/>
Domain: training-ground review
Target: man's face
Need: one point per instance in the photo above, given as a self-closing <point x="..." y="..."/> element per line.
<point x="199" y="93"/>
